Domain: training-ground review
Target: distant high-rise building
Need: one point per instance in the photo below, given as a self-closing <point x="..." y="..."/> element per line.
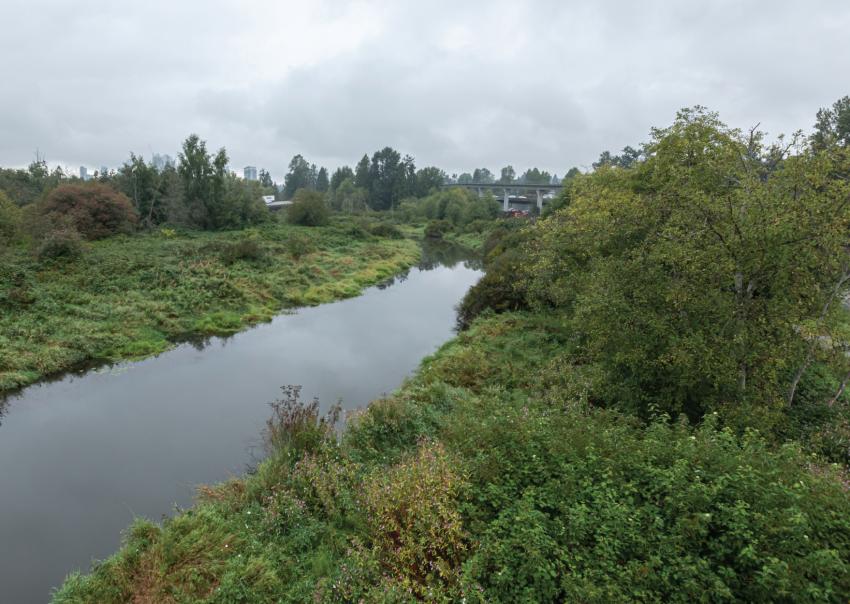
<point x="84" y="173"/>
<point x="250" y="173"/>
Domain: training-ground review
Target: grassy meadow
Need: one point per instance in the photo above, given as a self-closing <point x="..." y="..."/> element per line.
<point x="132" y="296"/>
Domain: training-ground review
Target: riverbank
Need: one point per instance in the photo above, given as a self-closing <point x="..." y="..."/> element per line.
<point x="486" y="478"/>
<point x="134" y="296"/>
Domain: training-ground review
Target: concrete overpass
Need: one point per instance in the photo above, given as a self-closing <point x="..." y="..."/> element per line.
<point x="506" y="190"/>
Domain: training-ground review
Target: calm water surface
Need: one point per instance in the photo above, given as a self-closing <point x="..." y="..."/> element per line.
<point x="82" y="456"/>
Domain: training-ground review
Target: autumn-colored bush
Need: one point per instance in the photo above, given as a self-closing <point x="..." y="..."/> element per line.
<point x="95" y="210"/>
<point x="415" y="522"/>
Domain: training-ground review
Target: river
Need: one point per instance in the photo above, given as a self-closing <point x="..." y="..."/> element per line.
<point x="81" y="456"/>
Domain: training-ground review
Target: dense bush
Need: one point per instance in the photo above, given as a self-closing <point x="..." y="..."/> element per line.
<point x="414" y="523"/>
<point x="308" y="209"/>
<point x="247" y="248"/>
<point x="61" y="244"/>
<point x="687" y="293"/>
<point x="594" y="509"/>
<point x="387" y="230"/>
<point x="299" y="245"/>
<point x="95" y="210"/>
<point x="499" y="290"/>
<point x="457" y="206"/>
<point x="436" y="229"/>
<point x="10" y="219"/>
<point x="502" y="288"/>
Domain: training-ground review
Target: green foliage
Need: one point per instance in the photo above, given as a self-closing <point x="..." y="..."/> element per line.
<point x="301" y="175"/>
<point x="94" y="210"/>
<point x="494" y="494"/>
<point x="414" y="522"/>
<point x="436" y="229"/>
<point x="133" y="296"/>
<point x="299" y="245"/>
<point x="457" y="206"/>
<point x="386" y="230"/>
<point x="61" y="244"/>
<point x="547" y="455"/>
<point x="833" y="125"/>
<point x="308" y="209"/>
<point x="10" y="220"/>
<point x="25" y="187"/>
<point x="249" y="249"/>
<point x="210" y="197"/>
<point x="691" y="278"/>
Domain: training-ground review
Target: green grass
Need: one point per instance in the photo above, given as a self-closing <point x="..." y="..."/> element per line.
<point x="485" y="479"/>
<point x="133" y="296"/>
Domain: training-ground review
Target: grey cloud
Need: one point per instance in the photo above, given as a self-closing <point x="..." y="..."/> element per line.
<point x="458" y="85"/>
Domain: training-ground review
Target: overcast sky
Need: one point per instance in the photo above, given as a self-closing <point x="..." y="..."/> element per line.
<point x="456" y="84"/>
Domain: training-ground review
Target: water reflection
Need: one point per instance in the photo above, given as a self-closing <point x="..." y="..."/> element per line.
<point x="80" y="456"/>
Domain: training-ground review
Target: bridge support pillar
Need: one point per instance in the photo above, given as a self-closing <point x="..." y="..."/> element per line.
<point x="539" y="200"/>
<point x="480" y="192"/>
<point x="506" y="202"/>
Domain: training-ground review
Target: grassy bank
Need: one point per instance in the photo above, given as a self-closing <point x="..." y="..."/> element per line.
<point x="132" y="296"/>
<point x="487" y="478"/>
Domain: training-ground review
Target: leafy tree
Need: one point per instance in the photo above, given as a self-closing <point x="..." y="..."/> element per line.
<point x="140" y="182"/>
<point x="301" y="175"/>
<point x="339" y="175"/>
<point x="322" y="183"/>
<point x="534" y="176"/>
<point x="266" y="179"/>
<point x="308" y="209"/>
<point x="483" y="175"/>
<point x="627" y="158"/>
<point x="833" y="125"/>
<point x="696" y="279"/>
<point x="572" y="173"/>
<point x="362" y="174"/>
<point x="391" y="178"/>
<point x="212" y="200"/>
<point x="348" y="197"/>
<point x="428" y="180"/>
<point x="465" y="179"/>
<point x="508" y="175"/>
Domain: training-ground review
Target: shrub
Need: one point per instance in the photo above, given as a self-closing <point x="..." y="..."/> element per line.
<point x="10" y="219"/>
<point x="299" y="245"/>
<point x="437" y="228"/>
<point x="296" y="427"/>
<point x="595" y="507"/>
<point x="95" y="210"/>
<point x="415" y="524"/>
<point x="478" y="226"/>
<point x="308" y="209"/>
<point x="387" y="230"/>
<point x="498" y="290"/>
<point x="245" y="249"/>
<point x="61" y="244"/>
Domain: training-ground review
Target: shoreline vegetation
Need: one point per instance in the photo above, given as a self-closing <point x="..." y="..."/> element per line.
<point x="133" y="296"/>
<point x="645" y="403"/>
<point x="482" y="480"/>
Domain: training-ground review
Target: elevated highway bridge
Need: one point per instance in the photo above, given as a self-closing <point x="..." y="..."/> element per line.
<point x="505" y="191"/>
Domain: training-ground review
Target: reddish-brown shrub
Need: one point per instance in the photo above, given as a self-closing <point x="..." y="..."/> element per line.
<point x="95" y="210"/>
